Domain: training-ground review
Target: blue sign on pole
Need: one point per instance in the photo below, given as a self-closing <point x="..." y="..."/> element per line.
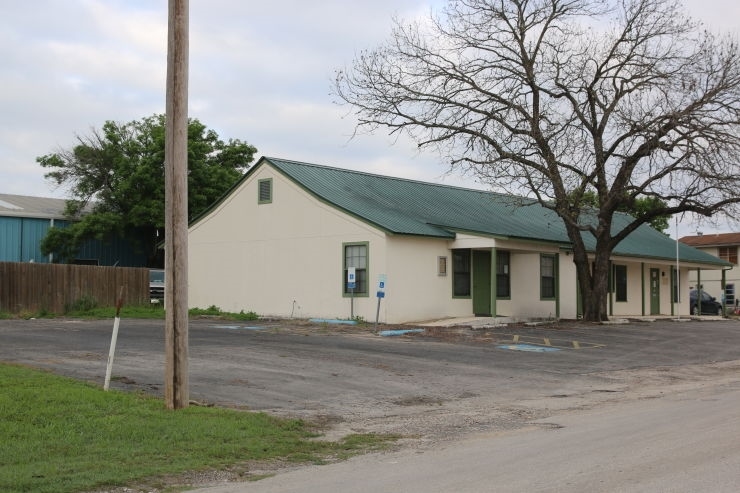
<point x="380" y="294"/>
<point x="350" y="285"/>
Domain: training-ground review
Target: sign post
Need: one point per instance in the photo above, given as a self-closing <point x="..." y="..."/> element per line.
<point x="380" y="294"/>
<point x="351" y="283"/>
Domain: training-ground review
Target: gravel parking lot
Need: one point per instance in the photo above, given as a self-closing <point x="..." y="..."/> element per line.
<point x="431" y="385"/>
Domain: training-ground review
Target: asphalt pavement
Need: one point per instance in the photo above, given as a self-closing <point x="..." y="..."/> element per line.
<point x="290" y="365"/>
<point x="438" y="384"/>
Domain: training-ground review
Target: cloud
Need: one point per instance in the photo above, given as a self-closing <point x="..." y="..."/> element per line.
<point x="259" y="72"/>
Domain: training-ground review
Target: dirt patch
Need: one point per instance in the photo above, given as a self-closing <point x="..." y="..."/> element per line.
<point x="421" y="400"/>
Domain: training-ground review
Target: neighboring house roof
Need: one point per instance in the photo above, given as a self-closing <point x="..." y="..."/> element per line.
<point x="408" y="207"/>
<point x="722" y="239"/>
<point x="26" y="206"/>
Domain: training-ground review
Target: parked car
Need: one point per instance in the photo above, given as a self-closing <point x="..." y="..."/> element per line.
<point x="156" y="285"/>
<point x="709" y="304"/>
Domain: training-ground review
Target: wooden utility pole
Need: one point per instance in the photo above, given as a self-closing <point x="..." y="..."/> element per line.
<point x="176" y="384"/>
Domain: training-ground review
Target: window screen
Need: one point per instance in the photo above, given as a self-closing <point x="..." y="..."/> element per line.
<point x="355" y="255"/>
<point x="547" y="277"/>
<point x="461" y="273"/>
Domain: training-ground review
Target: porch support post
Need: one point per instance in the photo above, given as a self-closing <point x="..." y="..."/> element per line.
<point x="642" y="280"/>
<point x="699" y="289"/>
<point x="722" y="294"/>
<point x="610" y="291"/>
<point x="673" y="290"/>
<point x="557" y="286"/>
<point x="579" y="301"/>
<point x="494" y="282"/>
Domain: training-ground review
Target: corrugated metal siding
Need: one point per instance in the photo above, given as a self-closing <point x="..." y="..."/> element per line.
<point x="20" y="240"/>
<point x="33" y="232"/>
<point x="119" y="252"/>
<point x="10" y="239"/>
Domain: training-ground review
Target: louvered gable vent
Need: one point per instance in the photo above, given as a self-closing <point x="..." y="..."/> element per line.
<point x="265" y="191"/>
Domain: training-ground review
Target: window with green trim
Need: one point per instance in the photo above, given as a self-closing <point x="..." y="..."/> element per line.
<point x="620" y="282"/>
<point x="460" y="272"/>
<point x="355" y="255"/>
<point x="264" y="191"/>
<point x="547" y="277"/>
<point x="503" y="275"/>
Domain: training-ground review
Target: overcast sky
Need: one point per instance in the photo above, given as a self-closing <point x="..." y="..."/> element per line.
<point x="259" y="72"/>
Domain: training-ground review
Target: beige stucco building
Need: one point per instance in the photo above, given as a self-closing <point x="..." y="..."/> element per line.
<point x="285" y="239"/>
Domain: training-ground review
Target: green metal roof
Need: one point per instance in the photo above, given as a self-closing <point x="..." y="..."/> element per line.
<point x="409" y="207"/>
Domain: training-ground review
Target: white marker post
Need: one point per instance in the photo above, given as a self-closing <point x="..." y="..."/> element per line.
<point x="114" y="337"/>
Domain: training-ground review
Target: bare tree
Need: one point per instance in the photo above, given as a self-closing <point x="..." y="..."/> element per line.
<point x="563" y="99"/>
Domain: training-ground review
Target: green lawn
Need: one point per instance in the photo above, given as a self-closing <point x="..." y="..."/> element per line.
<point x="90" y="310"/>
<point x="60" y="435"/>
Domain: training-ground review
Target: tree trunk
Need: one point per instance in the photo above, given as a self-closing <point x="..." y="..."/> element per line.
<point x="593" y="277"/>
<point x="595" y="299"/>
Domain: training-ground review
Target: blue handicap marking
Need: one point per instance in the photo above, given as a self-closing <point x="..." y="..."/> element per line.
<point x="399" y="332"/>
<point x="382" y="284"/>
<point x="531" y="348"/>
<point x="239" y="327"/>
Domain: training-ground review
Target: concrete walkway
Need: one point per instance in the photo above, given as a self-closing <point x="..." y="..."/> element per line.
<point x="488" y="322"/>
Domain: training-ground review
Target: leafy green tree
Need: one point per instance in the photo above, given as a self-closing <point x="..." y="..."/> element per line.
<point x="115" y="177"/>
<point x="636" y="206"/>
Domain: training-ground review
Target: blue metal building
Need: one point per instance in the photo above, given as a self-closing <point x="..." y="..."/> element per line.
<point x="25" y="220"/>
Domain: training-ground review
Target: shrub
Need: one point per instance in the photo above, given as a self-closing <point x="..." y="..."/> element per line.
<point x="83" y="304"/>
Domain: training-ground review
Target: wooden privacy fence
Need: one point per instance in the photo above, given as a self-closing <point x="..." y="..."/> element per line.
<point x="55" y="287"/>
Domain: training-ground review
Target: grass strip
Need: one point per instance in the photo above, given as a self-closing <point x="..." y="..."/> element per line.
<point x="61" y="435"/>
<point x="149" y="311"/>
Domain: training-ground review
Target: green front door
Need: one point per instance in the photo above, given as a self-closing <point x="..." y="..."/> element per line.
<point x="482" y="283"/>
<point x="654" y="291"/>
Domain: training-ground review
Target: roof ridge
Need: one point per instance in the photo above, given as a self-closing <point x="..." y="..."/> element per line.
<point x="708" y="235"/>
<point x="398" y="178"/>
<point x="30" y="196"/>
